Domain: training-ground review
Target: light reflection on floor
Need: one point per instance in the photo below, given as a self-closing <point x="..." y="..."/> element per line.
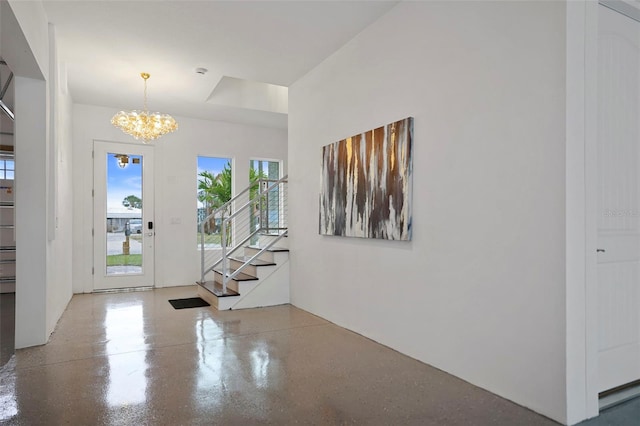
<point x="8" y="401"/>
<point x="127" y="381"/>
<point x="130" y="359"/>
<point x="210" y="364"/>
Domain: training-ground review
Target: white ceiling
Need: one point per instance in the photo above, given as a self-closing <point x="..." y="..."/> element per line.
<point x="104" y="45"/>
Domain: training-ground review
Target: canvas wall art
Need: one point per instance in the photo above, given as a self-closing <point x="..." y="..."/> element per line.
<point x="366" y="184"/>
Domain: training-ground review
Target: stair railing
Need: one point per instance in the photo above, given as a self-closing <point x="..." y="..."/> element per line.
<point x="262" y="217"/>
<point x="209" y="222"/>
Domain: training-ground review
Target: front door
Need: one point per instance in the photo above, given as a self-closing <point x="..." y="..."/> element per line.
<point x="618" y="199"/>
<point x="123" y="216"/>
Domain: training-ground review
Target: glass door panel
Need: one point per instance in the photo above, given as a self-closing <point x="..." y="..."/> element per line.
<point x="123" y="216"/>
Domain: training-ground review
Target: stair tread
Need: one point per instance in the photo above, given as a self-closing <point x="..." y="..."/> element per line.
<point x="255" y="262"/>
<point x="216" y="289"/>
<point x="271" y="249"/>
<point x="240" y="277"/>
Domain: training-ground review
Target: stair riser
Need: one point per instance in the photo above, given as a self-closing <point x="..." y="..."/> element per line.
<point x="266" y="239"/>
<point x="273" y="290"/>
<point x="258" y="271"/>
<point x="251" y="292"/>
<point x="232" y="284"/>
<point x="220" y="303"/>
<point x="267" y="256"/>
<point x="249" y="269"/>
<point x="210" y="298"/>
<point x="239" y="286"/>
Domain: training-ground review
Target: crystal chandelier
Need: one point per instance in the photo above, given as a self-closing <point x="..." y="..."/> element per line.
<point x="144" y="125"/>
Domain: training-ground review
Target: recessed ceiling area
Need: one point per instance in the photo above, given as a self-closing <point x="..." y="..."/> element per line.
<point x="253" y="51"/>
<point x="248" y="94"/>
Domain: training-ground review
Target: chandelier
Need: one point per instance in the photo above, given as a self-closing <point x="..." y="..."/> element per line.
<point x="122" y="160"/>
<point x="144" y="125"/>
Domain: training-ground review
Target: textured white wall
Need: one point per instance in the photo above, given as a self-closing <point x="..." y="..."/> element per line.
<point x="59" y="282"/>
<point x="43" y="266"/>
<point x="177" y="259"/>
<point x="480" y="291"/>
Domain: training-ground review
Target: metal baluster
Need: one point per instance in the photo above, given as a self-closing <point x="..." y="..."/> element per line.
<point x="223" y="241"/>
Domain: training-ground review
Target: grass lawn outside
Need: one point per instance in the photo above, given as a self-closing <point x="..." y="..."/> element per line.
<point x="124" y="259"/>
<point x="209" y="238"/>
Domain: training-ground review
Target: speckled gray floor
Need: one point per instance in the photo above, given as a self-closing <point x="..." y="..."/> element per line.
<point x="626" y="414"/>
<point x="130" y="358"/>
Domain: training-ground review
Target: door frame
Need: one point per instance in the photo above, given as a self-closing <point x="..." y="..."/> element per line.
<point x="101" y="147"/>
<point x="581" y="207"/>
<point x="610" y="377"/>
<point x="581" y="300"/>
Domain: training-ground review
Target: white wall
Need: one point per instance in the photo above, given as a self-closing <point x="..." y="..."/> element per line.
<point x="60" y="206"/>
<point x="480" y="291"/>
<point x="177" y="258"/>
<point x="32" y="19"/>
<point x="43" y="285"/>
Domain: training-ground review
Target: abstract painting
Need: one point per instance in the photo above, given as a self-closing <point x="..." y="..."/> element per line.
<point x="366" y="184"/>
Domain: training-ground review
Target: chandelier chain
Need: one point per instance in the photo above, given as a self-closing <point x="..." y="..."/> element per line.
<point x="145" y="95"/>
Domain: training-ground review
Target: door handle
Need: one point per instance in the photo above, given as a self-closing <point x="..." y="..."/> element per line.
<point x="149" y="234"/>
<point x="600" y="250"/>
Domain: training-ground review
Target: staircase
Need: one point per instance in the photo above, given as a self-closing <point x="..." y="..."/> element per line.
<point x="243" y="249"/>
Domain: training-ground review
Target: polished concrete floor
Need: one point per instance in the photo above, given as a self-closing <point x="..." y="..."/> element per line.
<point x="131" y="359"/>
<point x="7" y="326"/>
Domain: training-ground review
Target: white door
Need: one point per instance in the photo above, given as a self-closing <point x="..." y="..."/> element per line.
<point x="123" y="216"/>
<point x="618" y="199"/>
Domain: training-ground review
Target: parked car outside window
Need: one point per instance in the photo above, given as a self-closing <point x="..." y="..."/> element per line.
<point x="135" y="226"/>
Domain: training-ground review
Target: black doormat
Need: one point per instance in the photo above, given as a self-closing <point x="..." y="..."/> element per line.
<point x="192" y="302"/>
